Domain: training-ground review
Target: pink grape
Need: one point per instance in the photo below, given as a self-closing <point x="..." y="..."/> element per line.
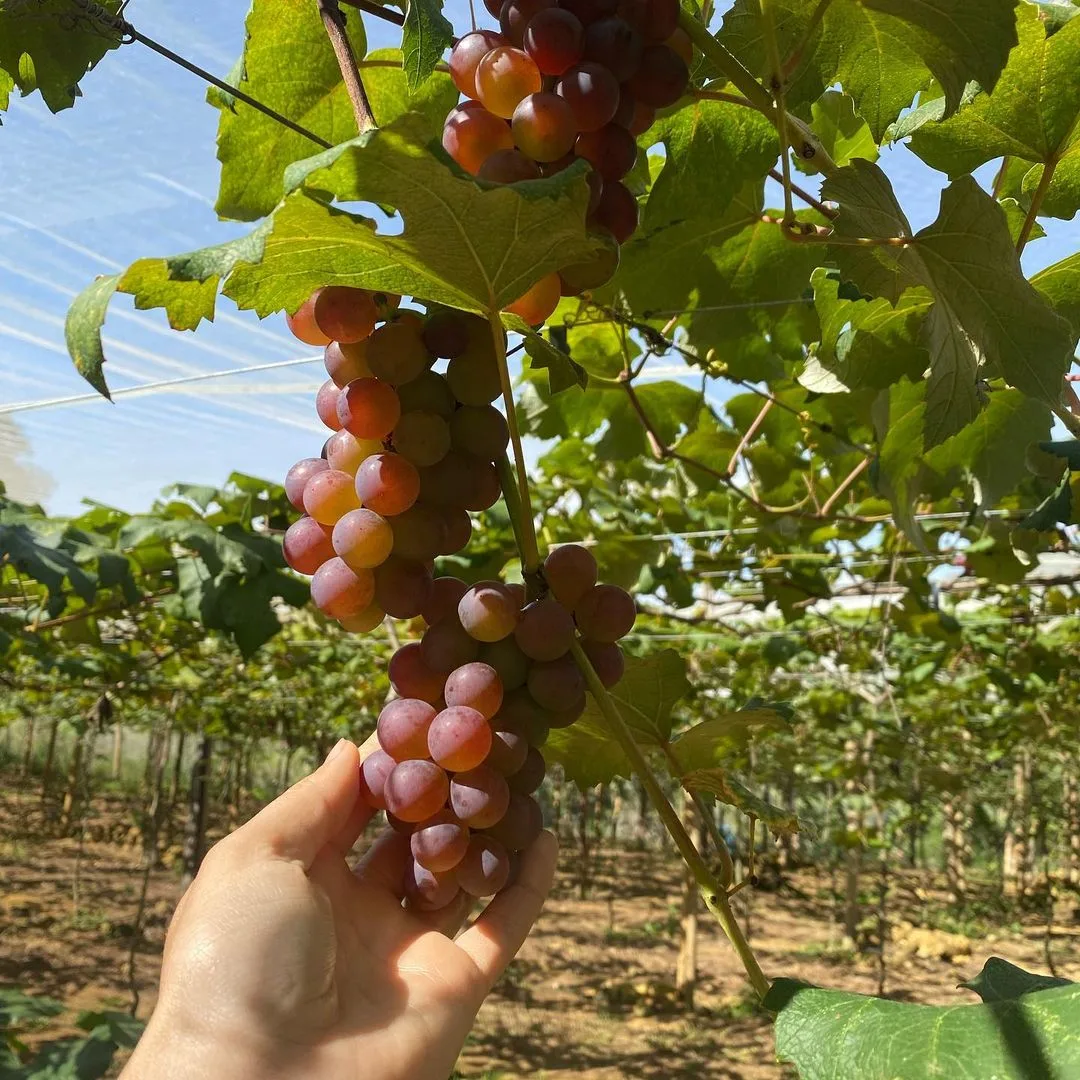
<point x="428" y="891"/>
<point x="509" y="747"/>
<point x="346" y="362"/>
<point x="545" y="630"/>
<point x="329" y="495"/>
<point x="520" y="710"/>
<point x="411" y="677"/>
<point x="402" y="587"/>
<point x="369" y="408"/>
<point x="459" y="738"/>
<point x="297" y="477"/>
<point x="374" y="770"/>
<point x="416" y="790"/>
<point x="346" y="453"/>
<point x="485" y="869"/>
<point x="403" y="728"/>
<point x="440" y="843"/>
<point x="326" y="404"/>
<point x="446" y="646"/>
<point x="363" y="539"/>
<point x="556" y="684"/>
<point x="479" y="796"/>
<point x="445" y="595"/>
<point x="340" y="592"/>
<point x="306" y="545"/>
<point x="607" y="660"/>
<point x="531" y="775"/>
<point x="488" y="612"/>
<point x="570" y="571"/>
<point x="365" y="622"/>
<point x="477" y="686"/>
<point x="520" y="825"/>
<point x="387" y="484"/>
<point x="605" y="613"/>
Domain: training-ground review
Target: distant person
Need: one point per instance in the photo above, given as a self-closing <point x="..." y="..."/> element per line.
<point x="281" y="962"/>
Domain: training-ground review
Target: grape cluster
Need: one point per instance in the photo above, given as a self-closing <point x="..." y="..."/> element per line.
<point x="562" y="80"/>
<point x="411" y="454"/>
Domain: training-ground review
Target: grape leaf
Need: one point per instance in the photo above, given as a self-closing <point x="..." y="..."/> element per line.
<point x="836" y="1035"/>
<point x="712" y="741"/>
<point x="1031" y="116"/>
<point x="1060" y="284"/>
<point x="722" y="785"/>
<point x="426" y="35"/>
<point x="391" y="95"/>
<point x="1001" y="981"/>
<point x="468" y="245"/>
<point x="899" y="414"/>
<point x="48" y="46"/>
<point x="843" y="133"/>
<point x="968" y="262"/>
<point x="288" y="64"/>
<point x="563" y="371"/>
<point x="82" y="329"/>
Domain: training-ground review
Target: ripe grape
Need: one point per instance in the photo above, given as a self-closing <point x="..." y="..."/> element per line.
<point x="374" y="770"/>
<point x="556" y="685"/>
<point x="303" y="324"/>
<point x="509" y="747"/>
<point x="326" y="404"/>
<point x="543" y="126"/>
<point x="488" y="612"/>
<point x="306" y="545"/>
<point x="330" y="495"/>
<point x="661" y="78"/>
<point x="605" y="613"/>
<point x="459" y="738"/>
<point x="480" y="430"/>
<point x="485" y="869"/>
<point x="592" y="93"/>
<point x="386" y="303"/>
<point x="474" y="376"/>
<point x="591" y="274"/>
<point x="369" y="408"/>
<point x="446" y="646"/>
<point x="397" y="354"/>
<point x="458" y="526"/>
<point x="428" y="392"/>
<point x="339" y="592"/>
<point x="607" y="660"/>
<point x="509" y="662"/>
<point x="428" y="891"/>
<point x="681" y="44"/>
<point x="570" y="572"/>
<point x="484" y="489"/>
<point x="421" y="437"/>
<point x="471" y="136"/>
<point x="419" y="532"/>
<point x="411" y="677"/>
<point x="404" y="827"/>
<point x="617" y="211"/>
<point x="545" y="630"/>
<point x="588" y="11"/>
<point x="297" y="477"/>
<point x="365" y="622"/>
<point x="531" y="775"/>
<point x="363" y="539"/>
<point x="477" y="686"/>
<point x="439" y="843"/>
<point x="515" y="16"/>
<point x="387" y="484"/>
<point x="655" y="19"/>
<point x="403" y="728"/>
<point x="509" y="167"/>
<point x="460" y="480"/>
<point x="520" y="710"/>
<point x="522" y="823"/>
<point x="494" y="7"/>
<point x="555" y="39"/>
<point x="537" y="305"/>
<point x="563" y="718"/>
<point x="402" y="587"/>
<point x="467" y="52"/>
<point x="615" y="44"/>
<point x="345" y="452"/>
<point x="416" y="790"/>
<point x="442" y="604"/>
<point x="634" y="115"/>
<point x="344" y="314"/>
<point x="517" y="590"/>
<point x="611" y="151"/>
<point x="446" y="333"/>
<point x="503" y="77"/>
<point x="479" y="796"/>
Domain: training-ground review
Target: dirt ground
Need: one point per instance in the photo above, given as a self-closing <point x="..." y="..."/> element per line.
<point x="590" y="994"/>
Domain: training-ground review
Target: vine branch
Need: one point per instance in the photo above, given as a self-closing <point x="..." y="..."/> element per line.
<point x="821" y="207"/>
<point x="377" y="10"/>
<point x="1036" y="204"/>
<point x="334" y="22"/>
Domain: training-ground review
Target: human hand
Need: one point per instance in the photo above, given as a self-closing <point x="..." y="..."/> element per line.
<point x="283" y="962"/>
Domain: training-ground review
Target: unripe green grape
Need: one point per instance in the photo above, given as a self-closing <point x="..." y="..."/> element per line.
<point x="506" y="657"/>
<point x="591" y="274"/>
<point x="428" y="392"/>
<point x="480" y="430"/>
<point x="422" y="438"/>
<point x="396" y="352"/>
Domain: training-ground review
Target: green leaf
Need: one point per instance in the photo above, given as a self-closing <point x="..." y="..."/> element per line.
<point x="899" y="414"/>
<point x="48" y="45"/>
<point x="722" y="785"/>
<point x="1031" y="116"/>
<point x="1060" y="285"/>
<point x="392" y="96"/>
<point x="82" y="329"/>
<point x="712" y="741"/>
<point x="1001" y="981"/>
<point x="289" y="65"/>
<point x="837" y="1035"/>
<point x="563" y="371"/>
<point x="843" y="133"/>
<point x="427" y="34"/>
<point x="464" y="244"/>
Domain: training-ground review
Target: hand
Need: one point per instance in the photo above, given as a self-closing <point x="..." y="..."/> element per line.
<point x="283" y="962"/>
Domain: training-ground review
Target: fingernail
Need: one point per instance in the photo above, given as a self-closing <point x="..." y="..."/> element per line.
<point x="339" y="746"/>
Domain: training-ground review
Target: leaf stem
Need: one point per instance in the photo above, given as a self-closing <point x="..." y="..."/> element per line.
<point x="712" y="892"/>
<point x="508" y="483"/>
<point x="791" y="65"/>
<point x="527" y="545"/>
<point x="334" y="22"/>
<point x="822" y="208"/>
<point x="1036" y="204"/>
<point x="377" y="10"/>
<point x="773" y="51"/>
<point x="846" y="483"/>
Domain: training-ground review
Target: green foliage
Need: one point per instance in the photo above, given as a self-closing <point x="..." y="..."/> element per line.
<point x="426" y="35"/>
<point x="1021" y="1031"/>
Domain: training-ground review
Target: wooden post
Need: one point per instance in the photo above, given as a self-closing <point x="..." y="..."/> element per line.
<point x="117" y="750"/>
<point x="686" y="966"/>
<point x="28" y="746"/>
<point x="198" y="806"/>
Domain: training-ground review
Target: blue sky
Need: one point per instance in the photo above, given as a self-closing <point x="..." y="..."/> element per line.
<point x="131" y="172"/>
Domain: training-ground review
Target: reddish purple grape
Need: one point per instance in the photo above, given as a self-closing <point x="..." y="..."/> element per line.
<point x="403" y="728"/>
<point x="459" y="738"/>
<point x="297" y="477"/>
<point x="416" y="790"/>
<point x="615" y="44"/>
<point x="509" y="167"/>
<point x="656" y="20"/>
<point x="545" y="630"/>
<point x="402" y="587"/>
<point x="479" y="797"/>
<point x="634" y="115"/>
<point x="509" y="747"/>
<point x="488" y="611"/>
<point x="480" y="430"/>
<point x="605" y="613"/>
<point x="611" y="151"/>
<point x="570" y="714"/>
<point x="446" y="646"/>
<point x="485" y="869"/>
<point x="428" y="891"/>
<point x="446" y="334"/>
<point x="531" y="775"/>
<point x="520" y="825"/>
<point x="457" y="526"/>
<point x="570" y="571"/>
<point x="419" y="533"/>
<point x="440" y="843"/>
<point x="446" y="592"/>
<point x="516" y="15"/>
<point x="592" y="93"/>
<point x="661" y="78"/>
<point x="556" y="685"/>
<point x="477" y="686"/>
<point x="617" y="211"/>
<point x="468" y="51"/>
<point x="588" y="11"/>
<point x="374" y="770"/>
<point x="555" y="39"/>
<point x="607" y="660"/>
<point x="543" y="127"/>
<point x="520" y="710"/>
<point x="412" y="678"/>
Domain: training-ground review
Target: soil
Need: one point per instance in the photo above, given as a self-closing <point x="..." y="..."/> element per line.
<point x="590" y="994"/>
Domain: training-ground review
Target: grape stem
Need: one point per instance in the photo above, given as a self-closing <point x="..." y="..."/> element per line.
<point x="713" y="893"/>
<point x="525" y="530"/>
<point x="334" y="21"/>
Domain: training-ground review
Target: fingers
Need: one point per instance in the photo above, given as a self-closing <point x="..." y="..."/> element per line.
<point x="450" y="919"/>
<point x="322" y="809"/>
<point x="384" y="864"/>
<point x="496" y="936"/>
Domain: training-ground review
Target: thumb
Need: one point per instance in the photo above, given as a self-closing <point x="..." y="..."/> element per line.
<point x="316" y="811"/>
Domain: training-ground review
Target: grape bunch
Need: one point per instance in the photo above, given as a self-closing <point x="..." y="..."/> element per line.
<point x="411" y="455"/>
<point x="563" y="80"/>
